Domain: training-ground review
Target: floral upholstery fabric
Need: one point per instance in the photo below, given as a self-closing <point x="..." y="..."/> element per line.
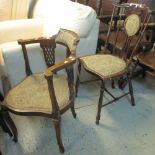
<point x="104" y="65"/>
<point x="68" y="38"/>
<point x="32" y="94"/>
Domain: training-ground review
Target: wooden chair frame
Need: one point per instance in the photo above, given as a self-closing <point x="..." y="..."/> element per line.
<point x="70" y="40"/>
<point x="126" y="56"/>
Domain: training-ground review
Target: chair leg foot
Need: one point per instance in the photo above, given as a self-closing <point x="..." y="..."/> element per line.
<point x="98" y="115"/>
<point x="100" y="102"/>
<point x="133" y="102"/>
<point x="61" y="149"/>
<point x="57" y="125"/>
<point x="97" y="121"/>
<point x="73" y="111"/>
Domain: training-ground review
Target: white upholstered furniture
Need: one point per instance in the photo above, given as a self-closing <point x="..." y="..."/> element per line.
<point x="46" y="20"/>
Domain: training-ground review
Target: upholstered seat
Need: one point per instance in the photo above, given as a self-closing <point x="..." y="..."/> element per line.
<point x="36" y="98"/>
<point x="104" y="65"/>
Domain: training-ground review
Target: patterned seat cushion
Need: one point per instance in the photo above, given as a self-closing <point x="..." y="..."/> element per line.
<point x="32" y="94"/>
<point x="104" y="65"/>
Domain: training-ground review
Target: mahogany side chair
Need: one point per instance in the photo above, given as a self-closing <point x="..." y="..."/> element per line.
<point x="145" y="56"/>
<point x="48" y="94"/>
<point x="108" y="66"/>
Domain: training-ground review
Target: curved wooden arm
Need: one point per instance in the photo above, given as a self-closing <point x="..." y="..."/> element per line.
<point x="67" y="62"/>
<point x="30" y="41"/>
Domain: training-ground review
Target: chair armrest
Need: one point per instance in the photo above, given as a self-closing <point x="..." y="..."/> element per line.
<point x="59" y="66"/>
<point x="49" y="77"/>
<point x="29" y="41"/>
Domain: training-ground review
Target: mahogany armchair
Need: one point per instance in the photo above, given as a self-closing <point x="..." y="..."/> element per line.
<point x="114" y="66"/>
<point x="51" y="93"/>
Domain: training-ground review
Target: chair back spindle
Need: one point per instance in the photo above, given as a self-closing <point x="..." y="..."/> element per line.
<point x="48" y="47"/>
<point x="136" y="20"/>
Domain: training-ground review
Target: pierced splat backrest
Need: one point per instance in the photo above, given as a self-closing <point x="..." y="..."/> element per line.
<point x="48" y="46"/>
<point x="65" y="37"/>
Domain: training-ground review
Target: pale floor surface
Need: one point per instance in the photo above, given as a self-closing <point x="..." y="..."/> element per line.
<point x="123" y="129"/>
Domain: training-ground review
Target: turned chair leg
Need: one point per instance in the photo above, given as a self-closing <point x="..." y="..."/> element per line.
<point x="77" y="86"/>
<point x="57" y="125"/>
<point x="73" y="110"/>
<point x="10" y="126"/>
<point x="100" y="102"/>
<point x="4" y="126"/>
<point x="131" y="91"/>
<point x="78" y="79"/>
